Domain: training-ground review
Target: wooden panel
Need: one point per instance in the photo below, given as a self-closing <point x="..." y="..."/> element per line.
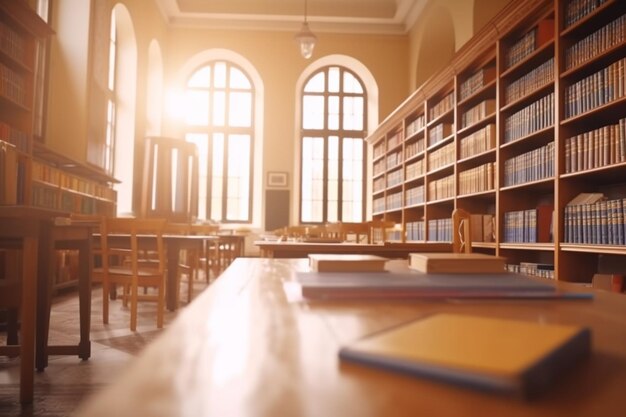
<point x="276" y="209"/>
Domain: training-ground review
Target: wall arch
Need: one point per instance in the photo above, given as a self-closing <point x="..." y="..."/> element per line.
<point x="371" y="87"/>
<point x="178" y="85"/>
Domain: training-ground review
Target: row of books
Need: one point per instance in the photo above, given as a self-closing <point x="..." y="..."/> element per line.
<point x="478" y="179"/>
<point x="8" y="168"/>
<point x="543" y="270"/>
<point x="415" y="169"/>
<point x="577" y="9"/>
<point x="394" y="159"/>
<point x="605" y="38"/>
<point x="394" y="178"/>
<point x="529" y="82"/>
<point x="443" y="106"/>
<point x="592" y="219"/>
<point x="530" y="166"/>
<point x="596" y="148"/>
<point x="413" y="148"/>
<point x="414" y="196"/>
<point x="476" y="81"/>
<point x="532" y="118"/>
<point x="478" y="112"/>
<point x="395" y="139"/>
<point x="478" y="142"/>
<point x="378" y="184"/>
<point x="11" y="43"/>
<point x="394" y="201"/>
<point x="529" y="42"/>
<point x="415" y="125"/>
<point x="441" y="188"/>
<point x="443" y="156"/>
<point x="379" y="167"/>
<point x="438" y="133"/>
<point x="415" y="231"/>
<point x="529" y="226"/>
<point x="14" y="136"/>
<point x="12" y="85"/>
<point x="440" y="230"/>
<point x="378" y="205"/>
<point x="59" y="178"/>
<point x="379" y="150"/>
<point x="596" y="90"/>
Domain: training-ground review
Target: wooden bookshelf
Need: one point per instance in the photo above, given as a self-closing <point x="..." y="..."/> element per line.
<point x="532" y="111"/>
<point x="30" y="173"/>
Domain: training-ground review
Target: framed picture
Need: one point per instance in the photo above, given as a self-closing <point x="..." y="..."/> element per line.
<point x="277" y="179"/>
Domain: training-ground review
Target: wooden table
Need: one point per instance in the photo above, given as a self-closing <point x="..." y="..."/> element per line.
<point x="286" y="249"/>
<point x="32" y="230"/>
<point x="242" y="349"/>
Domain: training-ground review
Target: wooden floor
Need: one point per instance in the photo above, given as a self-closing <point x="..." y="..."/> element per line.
<point x="68" y="380"/>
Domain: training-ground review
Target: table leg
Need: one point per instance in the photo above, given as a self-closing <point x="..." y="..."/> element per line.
<point x="171" y="300"/>
<point x="84" y="290"/>
<point x="29" y="312"/>
<point x="45" y="276"/>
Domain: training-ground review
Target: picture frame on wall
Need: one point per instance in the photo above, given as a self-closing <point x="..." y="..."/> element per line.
<point x="277" y="179"/>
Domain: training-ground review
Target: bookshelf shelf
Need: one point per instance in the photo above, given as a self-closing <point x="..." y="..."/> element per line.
<point x="529" y="140"/>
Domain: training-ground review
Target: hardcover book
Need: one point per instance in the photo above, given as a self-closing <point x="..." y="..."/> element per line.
<point x="346" y="263"/>
<point x="494" y="354"/>
<point x="466" y="263"/>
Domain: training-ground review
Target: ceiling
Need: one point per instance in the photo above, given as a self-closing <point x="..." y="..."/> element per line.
<point x="343" y="16"/>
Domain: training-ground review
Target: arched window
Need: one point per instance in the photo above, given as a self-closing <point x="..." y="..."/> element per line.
<point x="333" y="128"/>
<point x="220" y="122"/>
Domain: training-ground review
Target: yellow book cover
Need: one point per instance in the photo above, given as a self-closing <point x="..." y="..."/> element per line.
<point x="494" y="354"/>
<point x="346" y="263"/>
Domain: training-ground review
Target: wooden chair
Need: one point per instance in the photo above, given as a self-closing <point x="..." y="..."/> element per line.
<point x="349" y="232"/>
<point x="379" y="230"/>
<point x="461" y="235"/>
<point x="119" y="237"/>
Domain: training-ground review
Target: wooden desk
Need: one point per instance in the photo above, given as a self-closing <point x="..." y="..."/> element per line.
<point x="241" y="349"/>
<point x="21" y="228"/>
<point x="390" y="250"/>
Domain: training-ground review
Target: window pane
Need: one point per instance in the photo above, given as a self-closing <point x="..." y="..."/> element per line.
<point x="240" y="110"/>
<point x="333" y="80"/>
<point x="315" y="84"/>
<point x="353" y="113"/>
<point x="352" y="173"/>
<point x="217" y="173"/>
<point x="351" y="84"/>
<point x="238" y="198"/>
<point x="238" y="79"/>
<point x="201" y="78"/>
<point x="219" y="108"/>
<point x="220" y="75"/>
<point x="312" y="179"/>
<point x="202" y="142"/>
<point x="333" y="179"/>
<point x="313" y="112"/>
<point x="333" y="112"/>
<point x="197" y="105"/>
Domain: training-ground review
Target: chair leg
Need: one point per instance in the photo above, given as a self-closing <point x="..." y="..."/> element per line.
<point x="12" y="333"/>
<point x="133" y="307"/>
<point x="105" y="302"/>
<point x="160" y="304"/>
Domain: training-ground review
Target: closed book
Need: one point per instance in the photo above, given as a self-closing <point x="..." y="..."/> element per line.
<point x="466" y="263"/>
<point x="346" y="263"/>
<point x="608" y="282"/>
<point x="494" y="354"/>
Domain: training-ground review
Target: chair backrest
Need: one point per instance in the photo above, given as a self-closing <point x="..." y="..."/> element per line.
<point x="349" y="232"/>
<point x="461" y="235"/>
<point x="379" y="230"/>
<point x="126" y="242"/>
<point x="170" y="179"/>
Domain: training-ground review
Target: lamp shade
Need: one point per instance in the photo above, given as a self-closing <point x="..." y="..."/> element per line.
<point x="306" y="39"/>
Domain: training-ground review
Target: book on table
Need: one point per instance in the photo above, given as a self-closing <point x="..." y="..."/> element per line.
<point x="494" y="354"/>
<point x="466" y="263"/>
<point x="346" y="262"/>
<point x="413" y="284"/>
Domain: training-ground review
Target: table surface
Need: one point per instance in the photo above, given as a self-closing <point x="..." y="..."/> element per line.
<point x="294" y="249"/>
<point x="241" y="348"/>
